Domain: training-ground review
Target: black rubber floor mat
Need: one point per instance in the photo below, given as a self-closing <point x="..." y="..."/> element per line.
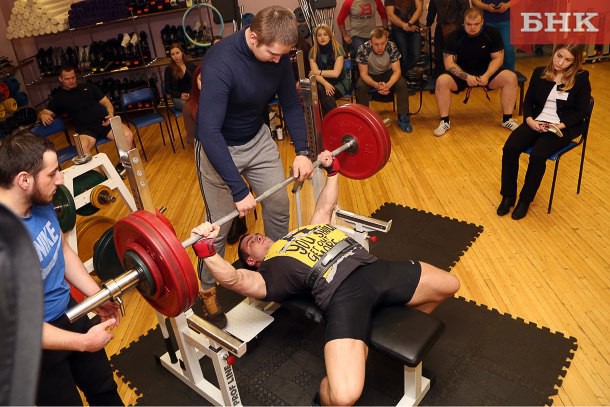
<point x="483" y="358"/>
<point x="424" y="236"/>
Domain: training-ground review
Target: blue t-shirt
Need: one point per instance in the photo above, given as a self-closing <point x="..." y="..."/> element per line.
<point x="44" y="229"/>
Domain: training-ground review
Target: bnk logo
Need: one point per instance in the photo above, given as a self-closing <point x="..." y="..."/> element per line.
<point x="571" y="21"/>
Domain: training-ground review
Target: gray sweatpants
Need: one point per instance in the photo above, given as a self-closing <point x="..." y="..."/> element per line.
<point x="259" y="163"/>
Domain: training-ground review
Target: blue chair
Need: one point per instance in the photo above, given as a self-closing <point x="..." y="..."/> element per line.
<point x="582" y="140"/>
<point x="57" y="126"/>
<point x="132" y="102"/>
<point x="175" y="112"/>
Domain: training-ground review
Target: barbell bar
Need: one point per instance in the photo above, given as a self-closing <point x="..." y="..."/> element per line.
<point x="113" y="288"/>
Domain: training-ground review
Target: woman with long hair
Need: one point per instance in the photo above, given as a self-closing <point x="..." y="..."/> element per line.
<point x="555" y="107"/>
<point x="178" y="76"/>
<point x="326" y="59"/>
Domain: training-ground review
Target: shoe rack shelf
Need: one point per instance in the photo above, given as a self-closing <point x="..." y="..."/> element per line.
<point x="39" y="86"/>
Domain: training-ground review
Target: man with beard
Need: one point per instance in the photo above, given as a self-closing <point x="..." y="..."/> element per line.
<point x="73" y="353"/>
<point x="473" y="56"/>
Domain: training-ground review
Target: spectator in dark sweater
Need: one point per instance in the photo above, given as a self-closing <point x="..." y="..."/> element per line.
<point x="242" y="73"/>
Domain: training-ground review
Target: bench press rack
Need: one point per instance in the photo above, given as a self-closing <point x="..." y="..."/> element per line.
<point x="85" y="163"/>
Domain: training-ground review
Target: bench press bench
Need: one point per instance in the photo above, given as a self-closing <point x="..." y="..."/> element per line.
<point x="399" y="332"/>
<point x="521" y="79"/>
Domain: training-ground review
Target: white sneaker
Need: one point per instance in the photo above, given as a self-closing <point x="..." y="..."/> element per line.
<point x="442" y="128"/>
<point x="510" y="124"/>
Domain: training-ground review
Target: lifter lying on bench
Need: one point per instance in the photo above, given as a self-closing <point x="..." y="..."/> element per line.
<point x="347" y="282"/>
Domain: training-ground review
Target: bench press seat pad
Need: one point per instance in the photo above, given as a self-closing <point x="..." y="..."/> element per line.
<point x="400" y="332"/>
<point x="405" y="333"/>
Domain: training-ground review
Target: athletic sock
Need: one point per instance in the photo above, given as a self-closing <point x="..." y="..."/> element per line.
<point x="506" y="117"/>
<point x="445" y="119"/>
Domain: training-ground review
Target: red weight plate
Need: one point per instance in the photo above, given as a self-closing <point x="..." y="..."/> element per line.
<point x="377" y="124"/>
<point x="350" y="120"/>
<point x="136" y="235"/>
<point x="188" y="272"/>
<point x="139" y="232"/>
<point x="383" y="133"/>
<point x="183" y="262"/>
<point x="165" y="220"/>
<point x="180" y="260"/>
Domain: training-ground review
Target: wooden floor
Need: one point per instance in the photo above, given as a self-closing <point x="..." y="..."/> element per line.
<point x="552" y="270"/>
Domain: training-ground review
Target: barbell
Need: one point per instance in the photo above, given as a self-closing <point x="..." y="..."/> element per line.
<point x="156" y="261"/>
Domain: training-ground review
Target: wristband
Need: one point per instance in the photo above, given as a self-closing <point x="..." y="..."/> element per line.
<point x="333" y="168"/>
<point x="204" y="248"/>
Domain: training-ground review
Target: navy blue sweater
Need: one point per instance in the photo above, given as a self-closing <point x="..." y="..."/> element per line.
<point x="235" y="90"/>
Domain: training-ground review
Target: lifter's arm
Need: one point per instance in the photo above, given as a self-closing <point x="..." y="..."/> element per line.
<point x="327" y="201"/>
<point x="245" y="282"/>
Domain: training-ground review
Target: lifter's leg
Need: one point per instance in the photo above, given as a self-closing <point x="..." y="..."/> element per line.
<point x="345" y="361"/>
<point x="435" y="286"/>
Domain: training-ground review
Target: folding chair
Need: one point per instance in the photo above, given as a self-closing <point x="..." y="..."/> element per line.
<point x="573" y="144"/>
<point x="142" y="99"/>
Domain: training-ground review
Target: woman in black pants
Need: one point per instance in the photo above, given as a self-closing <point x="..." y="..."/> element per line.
<point x="557" y="98"/>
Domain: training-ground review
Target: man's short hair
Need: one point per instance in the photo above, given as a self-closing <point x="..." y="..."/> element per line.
<point x="378" y="33"/>
<point x="66" y="68"/>
<point x="243" y="256"/>
<point x="473" y="12"/>
<point x="22" y="151"/>
<point x="275" y="24"/>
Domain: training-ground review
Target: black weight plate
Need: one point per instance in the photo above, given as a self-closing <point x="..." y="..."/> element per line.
<point x="106" y="261"/>
<point x="63" y="202"/>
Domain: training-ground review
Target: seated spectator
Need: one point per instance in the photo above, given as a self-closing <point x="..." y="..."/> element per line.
<point x="404" y="16"/>
<point x="189" y="113"/>
<point x="326" y="59"/>
<point x="178" y="76"/>
<point x="379" y="67"/>
<point x="473" y="57"/>
<point x="361" y="15"/>
<point x="87" y="106"/>
<point x="557" y="99"/>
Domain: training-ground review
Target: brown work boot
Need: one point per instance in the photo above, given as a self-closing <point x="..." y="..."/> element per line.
<point x="212" y="311"/>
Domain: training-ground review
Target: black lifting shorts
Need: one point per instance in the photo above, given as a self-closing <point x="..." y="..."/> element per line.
<point x="382" y="283"/>
<point x="95" y="130"/>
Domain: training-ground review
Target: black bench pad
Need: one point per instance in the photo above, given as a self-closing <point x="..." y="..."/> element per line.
<point x="400" y="332"/>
